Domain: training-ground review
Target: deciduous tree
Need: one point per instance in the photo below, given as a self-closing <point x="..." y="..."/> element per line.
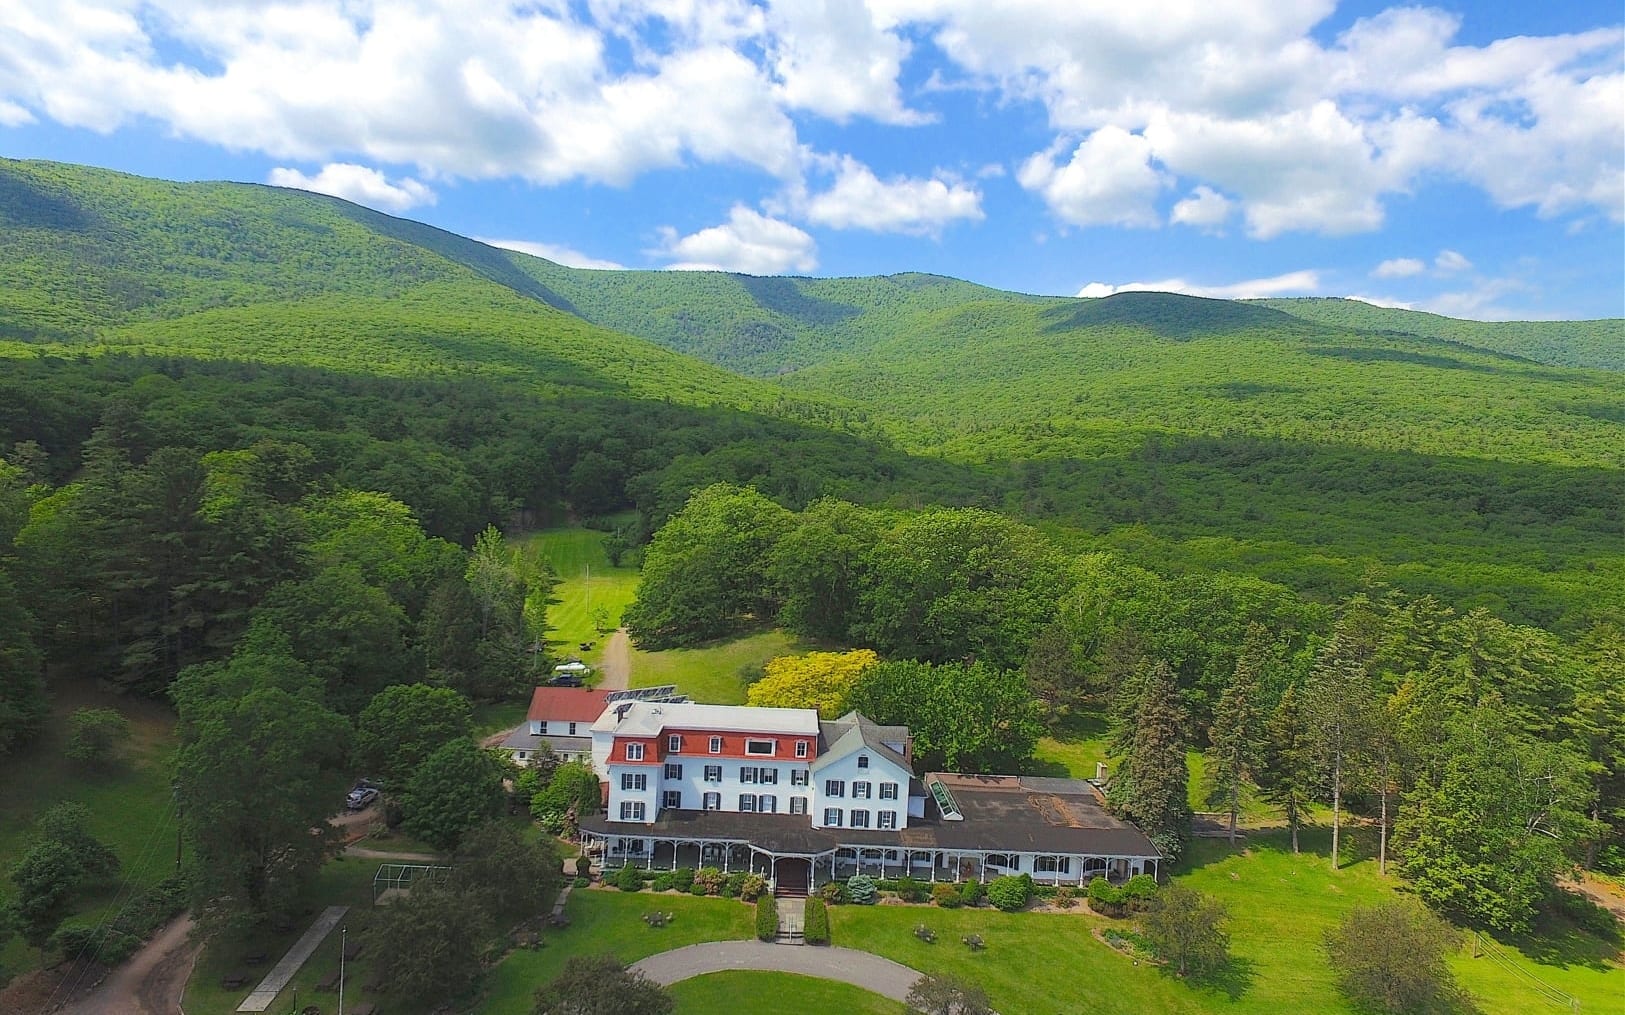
<point x="1187" y="928"/>
<point x="946" y="995"/>
<point x="1393" y="957"/>
<point x="964" y="718"/>
<point x="455" y="789"/>
<point x="404" y="724"/>
<point x="600" y="985"/>
<point x="820" y="680"/>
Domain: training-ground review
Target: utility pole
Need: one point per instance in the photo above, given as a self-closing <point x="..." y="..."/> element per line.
<point x="344" y="946"/>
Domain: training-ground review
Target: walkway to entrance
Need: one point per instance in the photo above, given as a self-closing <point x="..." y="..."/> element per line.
<point x="860" y="969"/>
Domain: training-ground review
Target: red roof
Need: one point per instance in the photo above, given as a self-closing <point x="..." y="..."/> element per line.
<point x="567" y="704"/>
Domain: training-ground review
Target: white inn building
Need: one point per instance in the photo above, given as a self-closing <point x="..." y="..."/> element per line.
<point x="779" y="792"/>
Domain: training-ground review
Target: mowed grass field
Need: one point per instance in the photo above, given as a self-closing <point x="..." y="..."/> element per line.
<point x="716" y="674"/>
<point x="586" y="581"/>
<point x="130" y="805"/>
<point x="756" y="993"/>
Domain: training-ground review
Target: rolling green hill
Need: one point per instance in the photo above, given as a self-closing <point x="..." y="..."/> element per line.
<point x="1599" y="344"/>
<point x="1318" y="443"/>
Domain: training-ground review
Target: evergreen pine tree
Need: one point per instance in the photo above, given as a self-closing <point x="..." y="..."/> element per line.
<point x="1286" y="776"/>
<point x="1151" y="784"/>
<point x="1237" y="735"/>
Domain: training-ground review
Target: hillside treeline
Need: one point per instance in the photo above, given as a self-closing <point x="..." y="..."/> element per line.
<point x="1439" y="714"/>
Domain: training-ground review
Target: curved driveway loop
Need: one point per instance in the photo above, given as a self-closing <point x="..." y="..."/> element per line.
<point x="860" y="969"/>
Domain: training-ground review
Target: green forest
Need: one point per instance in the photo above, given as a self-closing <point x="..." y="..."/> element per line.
<point x="266" y="458"/>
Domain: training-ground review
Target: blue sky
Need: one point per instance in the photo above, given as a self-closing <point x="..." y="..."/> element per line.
<point x="1465" y="158"/>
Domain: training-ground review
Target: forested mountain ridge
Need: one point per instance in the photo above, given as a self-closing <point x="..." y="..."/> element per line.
<point x="460" y="379"/>
<point x="1598" y="344"/>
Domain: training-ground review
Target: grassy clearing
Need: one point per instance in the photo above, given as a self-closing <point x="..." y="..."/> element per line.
<point x="130" y="806"/>
<point x="611" y="921"/>
<point x="757" y="993"/>
<point x="715" y="674"/>
<point x="1281" y="904"/>
<point x="586" y="581"/>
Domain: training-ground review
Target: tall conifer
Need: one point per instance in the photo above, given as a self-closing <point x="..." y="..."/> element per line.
<point x="1151" y="785"/>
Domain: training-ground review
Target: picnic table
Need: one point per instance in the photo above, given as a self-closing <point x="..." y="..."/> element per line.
<point x="234" y="981"/>
<point x="254" y="959"/>
<point x="351" y="950"/>
<point x="329" y="983"/>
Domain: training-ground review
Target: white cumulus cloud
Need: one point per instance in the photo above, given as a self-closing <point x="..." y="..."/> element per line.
<point x="1109" y="180"/>
<point x="833" y="58"/>
<point x="859" y="199"/>
<point x="1451" y="261"/>
<point x="1205" y="208"/>
<point x="748" y="242"/>
<point x="1292" y="282"/>
<point x="1399" y="267"/>
<point x="360" y="184"/>
<point x="567" y="256"/>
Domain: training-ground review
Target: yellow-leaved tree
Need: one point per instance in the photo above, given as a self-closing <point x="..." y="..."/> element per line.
<point x="820" y="680"/>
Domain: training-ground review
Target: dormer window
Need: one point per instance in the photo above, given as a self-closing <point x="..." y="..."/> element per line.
<point x="863" y="761"/>
<point x="801" y="748"/>
<point x="716" y="745"/>
<point x="634" y="752"/>
<point x="760" y="748"/>
<point x="674" y="744"/>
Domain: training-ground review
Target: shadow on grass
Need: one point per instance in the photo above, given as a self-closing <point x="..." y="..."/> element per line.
<point x="1570" y="930"/>
<point x="1234" y="978"/>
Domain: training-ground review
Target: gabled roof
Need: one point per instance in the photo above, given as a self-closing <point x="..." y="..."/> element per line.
<point x="854" y="731"/>
<point x="566" y="704"/>
<point x="649" y="718"/>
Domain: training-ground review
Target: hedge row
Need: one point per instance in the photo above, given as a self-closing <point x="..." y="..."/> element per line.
<point x="767" y="918"/>
<point x="815" y="922"/>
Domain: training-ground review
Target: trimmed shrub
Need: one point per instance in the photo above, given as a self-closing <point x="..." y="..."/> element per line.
<point x="663" y="883"/>
<point x="682" y="878"/>
<point x="912" y="890"/>
<point x="815" y="921"/>
<point x="711" y="879"/>
<point x="860" y="888"/>
<point x="583" y="867"/>
<point x="834" y="892"/>
<point x="581" y="882"/>
<point x="629" y="879"/>
<point x="1066" y="898"/>
<point x="1106" y="898"/>
<point x="767" y="918"/>
<point x="1138" y="891"/>
<point x="696" y="889"/>
<point x="752" y="887"/>
<point x="946" y="895"/>
<point x="735" y="882"/>
<point x="1010" y="892"/>
<point x="971" y="892"/>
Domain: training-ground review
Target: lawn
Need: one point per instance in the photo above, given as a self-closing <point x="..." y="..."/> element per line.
<point x="715" y="674"/>
<point x="611" y="921"/>
<point x="757" y="993"/>
<point x="586" y="581"/>
<point x="1281" y="905"/>
<point x="131" y="809"/>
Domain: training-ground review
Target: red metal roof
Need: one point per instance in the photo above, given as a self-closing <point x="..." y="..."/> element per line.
<point x="567" y="704"/>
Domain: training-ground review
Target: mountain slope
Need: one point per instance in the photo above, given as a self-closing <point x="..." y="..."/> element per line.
<point x="1596" y="344"/>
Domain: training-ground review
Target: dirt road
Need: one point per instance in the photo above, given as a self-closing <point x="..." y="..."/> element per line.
<point x="151" y="982"/>
<point x="616" y="666"/>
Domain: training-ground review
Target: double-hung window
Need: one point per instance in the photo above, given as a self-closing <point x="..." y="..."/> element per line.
<point x="769" y="777"/>
<point x="672" y="798"/>
<point x="886" y="819"/>
<point x="863" y="761"/>
<point x="716" y="745"/>
<point x="860" y="790"/>
<point x="632" y="810"/>
<point x="634" y="781"/>
<point x="747" y="774"/>
<point x="834" y="787"/>
<point x="711" y="802"/>
<point x="832" y="817"/>
<point x="674" y="771"/>
<point x="674" y="744"/>
<point x="747" y="803"/>
<point x="860" y="819"/>
<point x="634" y="752"/>
<point x="713" y="773"/>
<point x="798" y="805"/>
<point x="801" y="748"/>
<point x="888" y="791"/>
<point x="800" y="777"/>
<point x="572" y="729"/>
<point x="767" y="803"/>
